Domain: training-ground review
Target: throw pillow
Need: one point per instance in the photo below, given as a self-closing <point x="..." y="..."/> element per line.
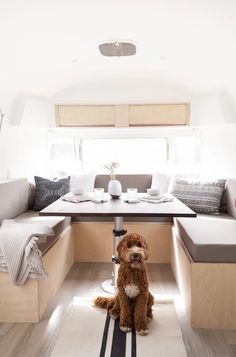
<point x="201" y="197"/>
<point x="160" y="181"/>
<point x="82" y="182"/>
<point x="190" y="176"/>
<point x="47" y="191"/>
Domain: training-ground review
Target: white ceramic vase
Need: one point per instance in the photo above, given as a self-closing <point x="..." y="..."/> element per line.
<point x="114" y="188"/>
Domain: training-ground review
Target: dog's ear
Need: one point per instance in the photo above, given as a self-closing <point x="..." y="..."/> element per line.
<point x="146" y="248"/>
<point x="144" y="243"/>
<point x="118" y="248"/>
<point x="146" y="255"/>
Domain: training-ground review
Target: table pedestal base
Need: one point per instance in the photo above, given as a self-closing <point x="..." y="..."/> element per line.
<point x="109" y="286"/>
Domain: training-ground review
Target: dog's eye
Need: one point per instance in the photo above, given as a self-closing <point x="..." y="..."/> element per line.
<point x="129" y="245"/>
<point x="139" y="245"/>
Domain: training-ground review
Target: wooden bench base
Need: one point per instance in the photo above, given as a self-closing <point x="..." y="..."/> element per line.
<point x="208" y="290"/>
<point x="28" y="303"/>
<point x="79" y="242"/>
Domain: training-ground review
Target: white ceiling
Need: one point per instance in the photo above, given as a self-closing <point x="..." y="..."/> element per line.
<point x="49" y="47"/>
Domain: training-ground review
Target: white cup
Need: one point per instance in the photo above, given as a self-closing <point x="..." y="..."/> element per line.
<point x="132" y="194"/>
<point x="77" y="191"/>
<point x="153" y="191"/>
<point x="99" y="194"/>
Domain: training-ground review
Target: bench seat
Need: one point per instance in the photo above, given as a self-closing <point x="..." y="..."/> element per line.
<point x="58" y="224"/>
<point x="209" y="239"/>
<point x="34" y="297"/>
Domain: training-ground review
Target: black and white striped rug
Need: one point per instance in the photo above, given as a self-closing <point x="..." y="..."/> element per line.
<point x="88" y="332"/>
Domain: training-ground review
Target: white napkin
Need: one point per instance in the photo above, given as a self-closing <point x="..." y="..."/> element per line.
<point x="75" y="198"/>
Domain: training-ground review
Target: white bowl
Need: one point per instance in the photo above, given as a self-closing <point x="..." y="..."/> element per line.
<point x="77" y="191"/>
<point x="153" y="191"/>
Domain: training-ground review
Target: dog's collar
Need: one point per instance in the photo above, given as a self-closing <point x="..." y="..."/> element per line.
<point x="119" y="233"/>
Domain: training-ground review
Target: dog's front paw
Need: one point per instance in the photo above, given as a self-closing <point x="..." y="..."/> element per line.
<point x="143" y="332"/>
<point x="114" y="313"/>
<point x="125" y="328"/>
<point x="141" y="327"/>
<point x="114" y="316"/>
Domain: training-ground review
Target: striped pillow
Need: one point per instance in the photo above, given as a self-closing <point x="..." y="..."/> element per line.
<point x="201" y="197"/>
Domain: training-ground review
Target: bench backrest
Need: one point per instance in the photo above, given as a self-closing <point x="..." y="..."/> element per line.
<point x="139" y="181"/>
<point x="231" y="197"/>
<point x="13" y="198"/>
<point x="14" y="194"/>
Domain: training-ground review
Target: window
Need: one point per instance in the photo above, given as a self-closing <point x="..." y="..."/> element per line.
<point x="186" y="154"/>
<point x="62" y="155"/>
<point x="174" y="154"/>
<point x="133" y="155"/>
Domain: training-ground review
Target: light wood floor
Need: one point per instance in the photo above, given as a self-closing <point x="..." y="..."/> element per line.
<point x="37" y="340"/>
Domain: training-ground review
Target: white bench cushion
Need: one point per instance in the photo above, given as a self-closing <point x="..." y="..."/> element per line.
<point x="231" y="196"/>
<point x="57" y="223"/>
<point x="13" y="198"/>
<point x="209" y="239"/>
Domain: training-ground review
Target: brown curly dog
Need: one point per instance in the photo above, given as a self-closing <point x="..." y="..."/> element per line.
<point x="133" y="302"/>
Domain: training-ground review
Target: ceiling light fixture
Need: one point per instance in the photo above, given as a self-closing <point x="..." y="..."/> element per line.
<point x="117" y="48"/>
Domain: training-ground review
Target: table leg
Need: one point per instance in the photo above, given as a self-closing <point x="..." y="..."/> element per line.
<point x="109" y="285"/>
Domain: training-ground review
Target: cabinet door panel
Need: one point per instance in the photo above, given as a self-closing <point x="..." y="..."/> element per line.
<point x="159" y="114"/>
<point x="85" y="115"/>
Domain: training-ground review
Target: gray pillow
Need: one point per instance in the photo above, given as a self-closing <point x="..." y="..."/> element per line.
<point x="201" y="197"/>
<point x="47" y="191"/>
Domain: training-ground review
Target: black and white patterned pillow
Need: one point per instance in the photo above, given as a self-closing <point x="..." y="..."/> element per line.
<point x="47" y="191"/>
<point x="201" y="197"/>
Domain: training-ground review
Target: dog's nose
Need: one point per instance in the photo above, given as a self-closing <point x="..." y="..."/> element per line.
<point x="136" y="255"/>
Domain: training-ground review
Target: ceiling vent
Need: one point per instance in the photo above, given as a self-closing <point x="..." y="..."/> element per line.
<point x="117" y="49"/>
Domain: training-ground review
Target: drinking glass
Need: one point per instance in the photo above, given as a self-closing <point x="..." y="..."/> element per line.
<point x="99" y="194"/>
<point x="132" y="194"/>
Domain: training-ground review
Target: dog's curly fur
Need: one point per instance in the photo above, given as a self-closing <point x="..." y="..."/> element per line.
<point x="133" y="301"/>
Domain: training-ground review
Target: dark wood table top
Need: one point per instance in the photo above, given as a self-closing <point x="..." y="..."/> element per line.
<point x="118" y="207"/>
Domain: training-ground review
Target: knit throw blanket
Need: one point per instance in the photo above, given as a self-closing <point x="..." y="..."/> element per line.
<point x="19" y="254"/>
